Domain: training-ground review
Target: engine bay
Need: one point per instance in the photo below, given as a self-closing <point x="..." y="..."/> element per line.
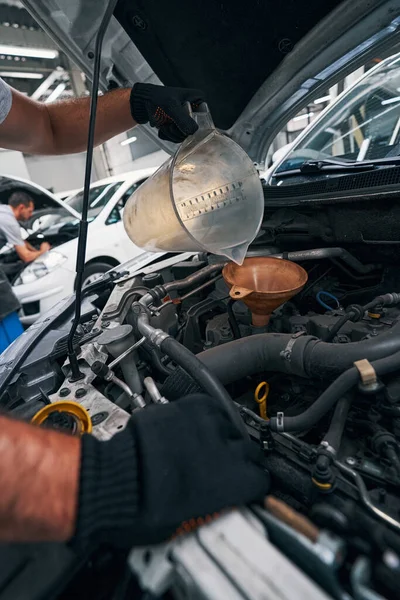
<point x="329" y="439"/>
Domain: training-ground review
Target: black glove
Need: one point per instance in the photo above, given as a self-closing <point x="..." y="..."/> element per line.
<point x="173" y="463"/>
<point x="164" y="108"/>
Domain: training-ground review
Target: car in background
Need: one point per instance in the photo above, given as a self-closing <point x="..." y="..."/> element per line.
<point x="52" y="276"/>
<point x="66" y="194"/>
<point x="361" y="127"/>
<point x="46" y="203"/>
<point x="47" y="209"/>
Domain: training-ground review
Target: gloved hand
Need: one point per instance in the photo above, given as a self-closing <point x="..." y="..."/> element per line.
<point x="173" y="463"/>
<point x="164" y="108"/>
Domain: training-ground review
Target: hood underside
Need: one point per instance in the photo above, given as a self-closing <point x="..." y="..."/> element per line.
<point x="258" y="62"/>
<point x="226" y="48"/>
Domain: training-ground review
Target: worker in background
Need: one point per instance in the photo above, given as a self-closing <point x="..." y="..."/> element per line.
<point x="20" y="208"/>
<point x="173" y="463"/>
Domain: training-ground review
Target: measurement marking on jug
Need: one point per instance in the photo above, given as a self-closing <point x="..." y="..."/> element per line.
<point x="211" y="201"/>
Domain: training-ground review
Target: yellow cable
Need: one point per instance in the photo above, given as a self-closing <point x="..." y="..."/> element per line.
<point x="321" y="486"/>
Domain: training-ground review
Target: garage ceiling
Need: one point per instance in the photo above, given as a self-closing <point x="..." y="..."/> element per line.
<point x="29" y="60"/>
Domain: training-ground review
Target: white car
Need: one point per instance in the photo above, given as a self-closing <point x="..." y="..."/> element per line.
<point x="52" y="276"/>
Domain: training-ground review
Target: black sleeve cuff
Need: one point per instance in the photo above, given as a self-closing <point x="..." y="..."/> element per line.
<point x="108" y="499"/>
<point x="137" y="101"/>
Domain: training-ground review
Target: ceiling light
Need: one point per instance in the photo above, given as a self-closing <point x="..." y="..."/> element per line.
<point x="301" y="117"/>
<point x="322" y="99"/>
<point x="27" y="51"/>
<point x="129" y="141"/>
<point x="390" y="100"/>
<point x="56" y="92"/>
<point x="47" y="83"/>
<point x="20" y="75"/>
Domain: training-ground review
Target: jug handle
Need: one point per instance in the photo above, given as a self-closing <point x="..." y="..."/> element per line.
<point x="201" y="115"/>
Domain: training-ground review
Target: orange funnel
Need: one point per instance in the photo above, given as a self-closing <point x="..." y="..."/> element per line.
<point x="264" y="283"/>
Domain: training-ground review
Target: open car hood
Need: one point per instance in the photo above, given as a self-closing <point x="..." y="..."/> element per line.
<point x="258" y="63"/>
<point x="43" y="198"/>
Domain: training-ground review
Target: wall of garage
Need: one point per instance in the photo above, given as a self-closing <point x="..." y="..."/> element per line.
<point x="13" y="163"/>
<point x="58" y="173"/>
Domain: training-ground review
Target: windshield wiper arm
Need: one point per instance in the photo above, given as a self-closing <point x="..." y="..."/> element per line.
<point x="316" y="167"/>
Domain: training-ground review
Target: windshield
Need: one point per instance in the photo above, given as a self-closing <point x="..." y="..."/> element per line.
<point x="99" y="195"/>
<point x="363" y="125"/>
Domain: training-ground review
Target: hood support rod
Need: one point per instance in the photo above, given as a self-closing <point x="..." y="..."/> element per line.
<point x="76" y="374"/>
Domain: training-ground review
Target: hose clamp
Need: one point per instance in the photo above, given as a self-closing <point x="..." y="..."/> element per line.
<point x="157" y="336"/>
<point x="366" y="371"/>
<point x="286" y="354"/>
<point x="326" y="448"/>
<point x="279" y="422"/>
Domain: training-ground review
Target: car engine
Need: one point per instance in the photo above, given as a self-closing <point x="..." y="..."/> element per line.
<point x="317" y="388"/>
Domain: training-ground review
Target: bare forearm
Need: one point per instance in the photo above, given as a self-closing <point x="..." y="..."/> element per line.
<point x="70" y="121"/>
<point x="29" y="254"/>
<point x="39" y="473"/>
<point x="62" y="127"/>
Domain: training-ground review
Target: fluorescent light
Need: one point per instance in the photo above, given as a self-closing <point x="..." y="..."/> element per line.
<point x="129" y="141"/>
<point x="364" y="149"/>
<point x="21" y="75"/>
<point x="301" y="117"/>
<point x="56" y="92"/>
<point x="390" y="100"/>
<point x="47" y="83"/>
<point x="25" y="51"/>
<point x="322" y="99"/>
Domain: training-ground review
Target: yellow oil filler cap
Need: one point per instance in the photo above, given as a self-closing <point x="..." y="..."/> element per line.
<point x="65" y="415"/>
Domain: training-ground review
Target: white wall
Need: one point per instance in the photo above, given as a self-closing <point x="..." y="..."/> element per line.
<point x="13" y="163"/>
<point x="119" y="158"/>
<point x="59" y="173"/>
<point x="63" y="173"/>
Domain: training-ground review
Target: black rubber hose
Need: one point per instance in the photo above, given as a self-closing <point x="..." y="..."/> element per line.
<point x="393" y="458"/>
<point x="341" y="386"/>
<point x="337" y="327"/>
<point x="321" y="253"/>
<point x="326" y="360"/>
<point x="255" y="354"/>
<point x="153" y="356"/>
<point x="335" y="432"/>
<point x="307" y="356"/>
<point x="203" y="376"/>
<point x="320" y="407"/>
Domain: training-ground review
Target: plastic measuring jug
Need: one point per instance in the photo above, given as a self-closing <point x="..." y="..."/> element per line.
<point x="207" y="197"/>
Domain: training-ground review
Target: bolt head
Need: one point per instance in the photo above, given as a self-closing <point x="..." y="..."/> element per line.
<point x="391" y="559"/>
<point x="350" y="460"/>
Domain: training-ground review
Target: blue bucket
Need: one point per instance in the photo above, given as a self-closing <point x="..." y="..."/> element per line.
<point x="10" y="329"/>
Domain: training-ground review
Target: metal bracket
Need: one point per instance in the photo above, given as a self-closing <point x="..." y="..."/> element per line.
<point x="279" y="421"/>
